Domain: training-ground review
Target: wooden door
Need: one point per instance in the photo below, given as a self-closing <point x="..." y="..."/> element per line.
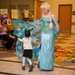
<point x="65" y="15"/>
<point x="38" y="10"/>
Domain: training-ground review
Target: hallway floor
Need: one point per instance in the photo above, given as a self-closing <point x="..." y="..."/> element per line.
<point x="10" y="65"/>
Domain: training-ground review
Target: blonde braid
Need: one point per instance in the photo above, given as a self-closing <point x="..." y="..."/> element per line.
<point x="50" y="25"/>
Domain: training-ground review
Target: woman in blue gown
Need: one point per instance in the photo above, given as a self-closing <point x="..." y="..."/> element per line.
<point x="50" y="31"/>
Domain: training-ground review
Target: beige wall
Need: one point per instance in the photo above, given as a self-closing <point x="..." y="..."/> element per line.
<point x="55" y="5"/>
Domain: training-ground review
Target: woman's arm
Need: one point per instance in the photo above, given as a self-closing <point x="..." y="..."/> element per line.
<point x="57" y="26"/>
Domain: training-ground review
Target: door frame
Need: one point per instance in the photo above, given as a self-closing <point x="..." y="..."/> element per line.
<point x="35" y="7"/>
<point x="70" y="14"/>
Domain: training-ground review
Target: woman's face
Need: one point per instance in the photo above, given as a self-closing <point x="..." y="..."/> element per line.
<point x="45" y="11"/>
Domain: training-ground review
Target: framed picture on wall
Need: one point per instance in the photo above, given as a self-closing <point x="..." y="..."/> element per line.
<point x="3" y="11"/>
<point x="3" y="14"/>
<point x="26" y="13"/>
<point x="14" y="14"/>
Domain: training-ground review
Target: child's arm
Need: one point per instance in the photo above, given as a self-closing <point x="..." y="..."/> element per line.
<point x="20" y="39"/>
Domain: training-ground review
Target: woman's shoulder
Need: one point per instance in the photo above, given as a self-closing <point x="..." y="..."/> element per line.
<point x="52" y="15"/>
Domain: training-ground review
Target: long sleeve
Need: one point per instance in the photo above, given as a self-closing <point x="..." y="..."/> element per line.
<point x="20" y="39"/>
<point x="57" y="27"/>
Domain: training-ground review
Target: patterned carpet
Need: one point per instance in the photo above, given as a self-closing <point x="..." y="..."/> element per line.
<point x="65" y="48"/>
<point x="61" y="54"/>
<point x="66" y="54"/>
<point x="65" y="40"/>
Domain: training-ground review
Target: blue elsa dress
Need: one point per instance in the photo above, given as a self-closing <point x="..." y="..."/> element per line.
<point x="44" y="51"/>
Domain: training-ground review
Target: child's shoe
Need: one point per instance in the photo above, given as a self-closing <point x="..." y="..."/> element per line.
<point x="31" y="68"/>
<point x="23" y="67"/>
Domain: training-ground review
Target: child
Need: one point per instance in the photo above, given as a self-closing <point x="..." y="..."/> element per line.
<point x="27" y="44"/>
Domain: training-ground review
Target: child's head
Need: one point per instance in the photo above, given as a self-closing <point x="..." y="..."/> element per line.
<point x="27" y="33"/>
